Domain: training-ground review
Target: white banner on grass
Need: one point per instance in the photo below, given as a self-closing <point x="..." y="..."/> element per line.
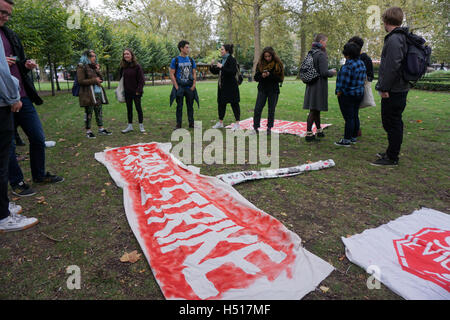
<point x="242" y="176"/>
<point x="411" y="254"/>
<point x="202" y="239"/>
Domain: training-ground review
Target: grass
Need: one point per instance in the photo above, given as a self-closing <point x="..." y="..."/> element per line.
<point x="82" y="220"/>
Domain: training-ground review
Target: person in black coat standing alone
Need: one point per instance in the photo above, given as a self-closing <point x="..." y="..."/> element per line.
<point x="228" y="88"/>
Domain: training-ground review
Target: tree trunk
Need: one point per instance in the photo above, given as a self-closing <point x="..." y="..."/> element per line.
<point x="58" y="88"/>
<point x="107" y="76"/>
<point x="302" y="35"/>
<point x="257" y="24"/>
<point x="230" y="22"/>
<point x="51" y="73"/>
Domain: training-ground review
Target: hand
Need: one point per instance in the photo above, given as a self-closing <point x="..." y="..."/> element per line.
<point x="193" y="87"/>
<point x="219" y="65"/>
<point x="10" y="61"/>
<point x="333" y="71"/>
<point x="384" y="95"/>
<point x="176" y="86"/>
<point x="213" y="61"/>
<point x="30" y="64"/>
<point x="99" y="81"/>
<point x="97" y="66"/>
<point x="16" y="106"/>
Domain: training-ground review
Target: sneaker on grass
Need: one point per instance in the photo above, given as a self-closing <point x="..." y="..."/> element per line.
<point x="14" y="208"/>
<point x="218" y="125"/>
<point x="16" y="222"/>
<point x="384" y="162"/>
<point x="90" y="135"/>
<point x="343" y="143"/>
<point x="104" y="132"/>
<point x="381" y="155"/>
<point x="22" y="190"/>
<point x="49" y="178"/>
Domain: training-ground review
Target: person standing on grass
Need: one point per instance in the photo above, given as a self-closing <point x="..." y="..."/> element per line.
<point x="10" y="102"/>
<point x="367" y="62"/>
<point x="269" y="74"/>
<point x="133" y="81"/>
<point x="184" y="78"/>
<point x="392" y="87"/>
<point x="228" y="88"/>
<point x="92" y="95"/>
<point x="350" y="92"/>
<point x="316" y="94"/>
<point x="27" y="118"/>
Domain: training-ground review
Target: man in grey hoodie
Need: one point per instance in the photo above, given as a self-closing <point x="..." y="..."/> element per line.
<point x="10" y="220"/>
<point x="392" y="87"/>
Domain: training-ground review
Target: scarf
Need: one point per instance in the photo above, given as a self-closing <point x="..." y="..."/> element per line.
<point x="273" y="67"/>
<point x="224" y="58"/>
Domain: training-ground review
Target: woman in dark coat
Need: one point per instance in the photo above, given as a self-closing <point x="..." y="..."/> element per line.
<point x="269" y="73"/>
<point x="133" y="82"/>
<point x="228" y="88"/>
<point x="92" y="95"/>
<point x="316" y="94"/>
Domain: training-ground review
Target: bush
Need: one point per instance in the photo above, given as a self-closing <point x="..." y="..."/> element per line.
<point x="430" y="86"/>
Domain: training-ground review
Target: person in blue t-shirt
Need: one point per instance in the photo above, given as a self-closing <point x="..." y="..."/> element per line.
<point x="184" y="78"/>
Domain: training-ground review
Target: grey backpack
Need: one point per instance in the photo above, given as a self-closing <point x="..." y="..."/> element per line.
<point x="308" y="73"/>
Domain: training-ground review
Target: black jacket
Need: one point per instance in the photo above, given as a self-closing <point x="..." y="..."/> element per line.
<point x="390" y="73"/>
<point x="17" y="48"/>
<point x="229" y="92"/>
<point x="271" y="84"/>
<point x="369" y="65"/>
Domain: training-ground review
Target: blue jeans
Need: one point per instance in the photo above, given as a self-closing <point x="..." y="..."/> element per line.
<point x="350" y="111"/>
<point x="28" y="119"/>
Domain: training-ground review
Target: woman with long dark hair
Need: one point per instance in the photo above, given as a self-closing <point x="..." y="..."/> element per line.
<point x="133" y="82"/>
<point x="269" y="73"/>
<point x="316" y="94"/>
<point x="92" y="95"/>
<point x="228" y="88"/>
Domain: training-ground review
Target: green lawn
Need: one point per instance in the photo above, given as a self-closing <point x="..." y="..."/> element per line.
<point x="82" y="220"/>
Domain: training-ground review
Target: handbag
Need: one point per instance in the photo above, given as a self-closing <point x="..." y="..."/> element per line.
<point x="120" y="91"/>
<point x="368" y="100"/>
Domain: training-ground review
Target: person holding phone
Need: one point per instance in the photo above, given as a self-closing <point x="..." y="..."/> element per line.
<point x="269" y="75"/>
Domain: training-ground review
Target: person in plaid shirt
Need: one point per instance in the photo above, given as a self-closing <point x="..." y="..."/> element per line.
<point x="350" y="92"/>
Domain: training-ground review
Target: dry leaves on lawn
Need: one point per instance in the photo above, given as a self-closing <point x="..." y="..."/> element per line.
<point x="131" y="257"/>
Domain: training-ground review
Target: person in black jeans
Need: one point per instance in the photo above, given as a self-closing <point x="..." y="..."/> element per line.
<point x="269" y="73"/>
<point x="391" y="85"/>
<point x="367" y="62"/>
<point x="350" y="92"/>
<point x="133" y="81"/>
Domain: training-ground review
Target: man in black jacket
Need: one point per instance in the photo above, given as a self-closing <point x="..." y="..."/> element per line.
<point x="391" y="85"/>
<point x="27" y="118"/>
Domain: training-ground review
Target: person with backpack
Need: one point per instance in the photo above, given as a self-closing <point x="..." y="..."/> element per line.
<point x="133" y="82"/>
<point x="228" y="87"/>
<point x="316" y="93"/>
<point x="91" y="93"/>
<point x="269" y="75"/>
<point x="350" y="92"/>
<point x="392" y="85"/>
<point x="184" y="78"/>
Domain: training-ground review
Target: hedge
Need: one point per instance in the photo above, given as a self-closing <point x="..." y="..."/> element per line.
<point x="430" y="86"/>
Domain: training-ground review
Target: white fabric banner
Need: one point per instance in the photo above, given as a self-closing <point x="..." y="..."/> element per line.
<point x="242" y="176"/>
<point x="410" y="255"/>
<point x="204" y="240"/>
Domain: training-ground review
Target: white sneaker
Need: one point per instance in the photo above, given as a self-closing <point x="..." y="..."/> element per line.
<point x="236" y="126"/>
<point x="49" y="144"/>
<point x="16" y="222"/>
<point x="218" y="125"/>
<point x="141" y="127"/>
<point x="128" y="129"/>
<point x="15" y="208"/>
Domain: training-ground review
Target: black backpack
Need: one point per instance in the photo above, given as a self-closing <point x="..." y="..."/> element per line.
<point x="308" y="73"/>
<point x="417" y="57"/>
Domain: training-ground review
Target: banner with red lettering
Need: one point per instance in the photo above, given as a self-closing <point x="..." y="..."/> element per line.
<point x="202" y="239"/>
<point x="410" y="255"/>
<point x="279" y="126"/>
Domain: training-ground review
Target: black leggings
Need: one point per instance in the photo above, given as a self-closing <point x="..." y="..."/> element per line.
<point x="129" y="98"/>
<point x="236" y="110"/>
<point x="313" y="117"/>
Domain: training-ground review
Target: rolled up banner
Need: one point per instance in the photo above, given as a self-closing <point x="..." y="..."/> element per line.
<point x="242" y="176"/>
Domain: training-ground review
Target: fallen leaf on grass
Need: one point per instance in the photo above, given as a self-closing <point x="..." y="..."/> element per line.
<point x="61" y="140"/>
<point x="324" y="289"/>
<point x="130" y="257"/>
<point x="342" y="258"/>
<point x="419" y="121"/>
<point x="283" y="214"/>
